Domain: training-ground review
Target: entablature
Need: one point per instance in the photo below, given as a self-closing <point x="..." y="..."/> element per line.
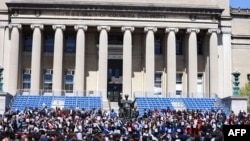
<point x="114" y="10"/>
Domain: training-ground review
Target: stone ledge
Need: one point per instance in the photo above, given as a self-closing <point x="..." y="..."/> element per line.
<point x="236" y="98"/>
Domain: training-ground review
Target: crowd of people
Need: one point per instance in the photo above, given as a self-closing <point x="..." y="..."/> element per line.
<point x="74" y="124"/>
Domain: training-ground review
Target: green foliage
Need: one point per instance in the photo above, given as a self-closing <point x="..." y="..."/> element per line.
<point x="245" y="91"/>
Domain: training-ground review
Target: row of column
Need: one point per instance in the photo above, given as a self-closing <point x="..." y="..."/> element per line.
<point x="103" y="58"/>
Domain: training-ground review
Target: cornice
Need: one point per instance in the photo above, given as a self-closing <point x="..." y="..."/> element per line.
<point x="240" y="36"/>
<point x="226" y="18"/>
<point x="3" y="11"/>
<point x="115" y="7"/>
<point x="240" y="13"/>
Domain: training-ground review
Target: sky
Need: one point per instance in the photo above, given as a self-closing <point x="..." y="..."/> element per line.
<point x="240" y="3"/>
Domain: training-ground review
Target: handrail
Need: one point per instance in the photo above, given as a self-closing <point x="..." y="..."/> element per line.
<point x="173" y="95"/>
<point x="58" y="93"/>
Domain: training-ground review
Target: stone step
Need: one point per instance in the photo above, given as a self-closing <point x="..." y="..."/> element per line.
<point x="105" y="104"/>
<point x="114" y="105"/>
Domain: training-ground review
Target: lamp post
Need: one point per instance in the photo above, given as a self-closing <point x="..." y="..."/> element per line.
<point x="236" y="83"/>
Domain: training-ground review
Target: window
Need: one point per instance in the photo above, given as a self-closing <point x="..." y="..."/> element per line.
<point x="27" y="47"/>
<point x="69" y="80"/>
<point x="47" y="79"/>
<point x="117" y="73"/>
<point x="115" y="39"/>
<point x="26" y="78"/>
<point x="158" y="45"/>
<point x="199" y="46"/>
<point x="178" y="84"/>
<point x="70" y="43"/>
<point x="200" y="85"/>
<point x="179" y="78"/>
<point x="158" y="88"/>
<point x="178" y="46"/>
<point x="49" y="42"/>
<point x="109" y="75"/>
<point x="199" y="78"/>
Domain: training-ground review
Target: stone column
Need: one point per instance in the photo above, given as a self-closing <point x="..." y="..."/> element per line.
<point x="192" y="67"/>
<point x="36" y="58"/>
<point x="14" y="58"/>
<point x="150" y="60"/>
<point x="171" y="60"/>
<point x="57" y="80"/>
<point x="2" y="34"/>
<point x="2" y="30"/>
<point x="213" y="62"/>
<point x="127" y="61"/>
<point x="103" y="60"/>
<point x="79" y="77"/>
<point x="226" y="82"/>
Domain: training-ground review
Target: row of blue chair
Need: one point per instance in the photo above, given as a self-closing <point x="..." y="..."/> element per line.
<point x="22" y="101"/>
<point x="163" y="103"/>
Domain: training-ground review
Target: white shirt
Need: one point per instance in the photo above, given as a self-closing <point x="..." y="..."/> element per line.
<point x="79" y="136"/>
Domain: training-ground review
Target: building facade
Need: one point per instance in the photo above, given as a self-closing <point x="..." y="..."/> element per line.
<point x="137" y="47"/>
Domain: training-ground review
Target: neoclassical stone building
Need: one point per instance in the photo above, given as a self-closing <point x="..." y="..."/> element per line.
<point x="136" y="47"/>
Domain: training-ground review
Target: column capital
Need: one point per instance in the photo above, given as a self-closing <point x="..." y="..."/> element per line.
<point x="103" y="27"/>
<point x="19" y="26"/>
<point x="216" y="30"/>
<point x="40" y="26"/>
<point x="131" y="28"/>
<point x="146" y="29"/>
<point x="196" y="30"/>
<point x="63" y="27"/>
<point x="84" y="27"/>
<point x="168" y="29"/>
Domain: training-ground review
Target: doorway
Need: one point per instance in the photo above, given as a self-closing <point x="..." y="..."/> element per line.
<point x="114" y="79"/>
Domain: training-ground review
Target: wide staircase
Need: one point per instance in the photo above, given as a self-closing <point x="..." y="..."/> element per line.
<point x="20" y="102"/>
<point x="177" y="103"/>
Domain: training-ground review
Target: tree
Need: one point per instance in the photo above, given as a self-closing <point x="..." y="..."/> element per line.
<point x="245" y="91"/>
